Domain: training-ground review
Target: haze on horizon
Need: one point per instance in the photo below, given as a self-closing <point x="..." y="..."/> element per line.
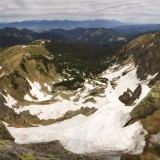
<point x="135" y="11"/>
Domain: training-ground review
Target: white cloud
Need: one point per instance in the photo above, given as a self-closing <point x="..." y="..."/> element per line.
<point x="124" y="10"/>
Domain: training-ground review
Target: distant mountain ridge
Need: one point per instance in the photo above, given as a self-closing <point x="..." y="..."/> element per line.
<point x="137" y="29"/>
<point x="46" y="25"/>
<point x="89" y="35"/>
<point x="41" y="25"/>
<point x="12" y="36"/>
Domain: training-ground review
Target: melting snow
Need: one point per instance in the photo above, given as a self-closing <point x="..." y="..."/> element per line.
<point x="37" y="92"/>
<point x="151" y="76"/>
<point x="155" y="139"/>
<point x="49" y="111"/>
<point x="61" y="106"/>
<point x="153" y="35"/>
<point x="151" y="45"/>
<point x="128" y="80"/>
<point x="10" y="101"/>
<point x="1" y="74"/>
<point x="28" y="98"/>
<point x="48" y="87"/>
<point x="102" y="132"/>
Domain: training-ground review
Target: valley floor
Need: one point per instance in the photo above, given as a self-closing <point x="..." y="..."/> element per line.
<point x="101" y="132"/>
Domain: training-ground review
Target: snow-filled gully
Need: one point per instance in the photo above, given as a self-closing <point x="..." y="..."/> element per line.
<point x="101" y="132"/>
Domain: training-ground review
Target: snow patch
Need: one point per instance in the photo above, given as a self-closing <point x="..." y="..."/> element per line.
<point x="101" y="132"/>
<point x="10" y="101"/>
<point x="48" y="87"/>
<point x="151" y="76"/>
<point x="60" y="106"/>
<point x="49" y="111"/>
<point x="126" y="77"/>
<point x="28" y="98"/>
<point x="37" y="92"/>
<point x="153" y="35"/>
<point x="124" y="81"/>
<point x="151" y="45"/>
<point x="155" y="139"/>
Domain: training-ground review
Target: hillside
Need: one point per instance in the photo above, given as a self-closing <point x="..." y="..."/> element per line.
<point x="58" y="91"/>
<point x="47" y="72"/>
<point x="144" y="51"/>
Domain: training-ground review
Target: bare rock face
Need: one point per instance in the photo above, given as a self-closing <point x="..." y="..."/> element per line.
<point x="39" y="151"/>
<point x="154" y="80"/>
<point x="149" y="104"/>
<point x="55" y="148"/>
<point x="4" y="133"/>
<point x="129" y="97"/>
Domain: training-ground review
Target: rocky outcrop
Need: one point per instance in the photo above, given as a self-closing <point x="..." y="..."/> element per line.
<point x="56" y="149"/>
<point x="4" y="133"/>
<point x="149" y="104"/>
<point x="13" y="151"/>
<point x="144" y="51"/>
<point x="129" y="97"/>
<point x="148" y="112"/>
<point x="39" y="151"/>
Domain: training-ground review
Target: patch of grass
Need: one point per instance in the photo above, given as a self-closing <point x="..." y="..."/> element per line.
<point x="152" y="123"/>
<point x="28" y="156"/>
<point x="4" y="145"/>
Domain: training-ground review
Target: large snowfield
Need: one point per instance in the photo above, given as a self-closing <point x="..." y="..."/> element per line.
<point x="101" y="132"/>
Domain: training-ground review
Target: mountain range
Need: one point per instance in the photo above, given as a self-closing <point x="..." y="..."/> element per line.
<point x="46" y="25"/>
<point x="43" y="25"/>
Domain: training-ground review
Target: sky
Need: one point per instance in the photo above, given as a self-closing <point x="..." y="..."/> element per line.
<point x="129" y="11"/>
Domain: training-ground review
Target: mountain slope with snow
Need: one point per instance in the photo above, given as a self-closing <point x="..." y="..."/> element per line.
<point x="111" y="116"/>
<point x="92" y="134"/>
<point x="54" y="102"/>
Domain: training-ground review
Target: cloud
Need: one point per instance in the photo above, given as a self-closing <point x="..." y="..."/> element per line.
<point x="143" y="11"/>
